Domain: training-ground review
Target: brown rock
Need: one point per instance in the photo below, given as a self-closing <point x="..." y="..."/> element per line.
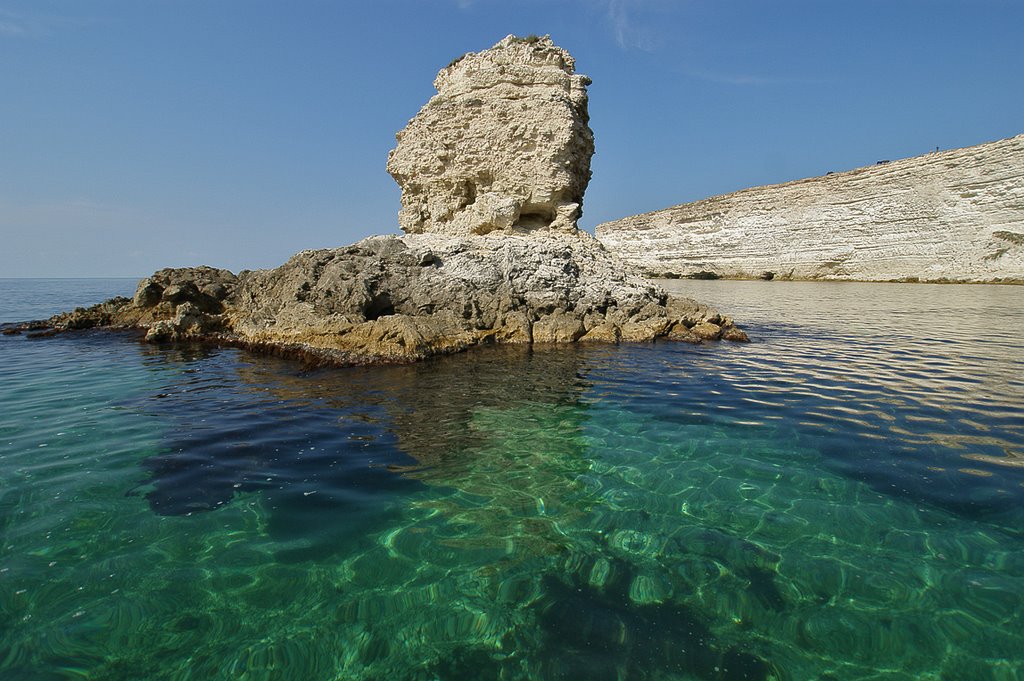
<point x="706" y="331"/>
<point x="492" y="172"/>
<point x="680" y="332"/>
<point x="558" y="327"/>
<point x="605" y="332"/>
<point x="736" y="335"/>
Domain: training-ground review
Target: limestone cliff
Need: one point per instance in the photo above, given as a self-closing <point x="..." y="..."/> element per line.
<point x="492" y="172"/>
<point x="955" y="215"/>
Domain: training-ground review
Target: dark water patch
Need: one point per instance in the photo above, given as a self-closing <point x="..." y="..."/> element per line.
<point x="469" y="663"/>
<point x="580" y="621"/>
<point x="619" y="638"/>
<point x="891" y="434"/>
<point x="325" y="473"/>
<point x="763" y="587"/>
<point x="925" y="474"/>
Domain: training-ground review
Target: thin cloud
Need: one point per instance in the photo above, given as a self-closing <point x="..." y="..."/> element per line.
<point x="10" y="28"/>
<point x="15" y="25"/>
<point x="26" y="25"/>
<point x="618" y="17"/>
<point x="628" y="33"/>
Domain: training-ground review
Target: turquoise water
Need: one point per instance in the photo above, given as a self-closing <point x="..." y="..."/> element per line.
<point x="841" y="499"/>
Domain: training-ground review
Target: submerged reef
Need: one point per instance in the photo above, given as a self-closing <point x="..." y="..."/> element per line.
<point x="493" y="170"/>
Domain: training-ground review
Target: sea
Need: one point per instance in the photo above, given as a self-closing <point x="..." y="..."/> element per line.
<point x="840" y="499"/>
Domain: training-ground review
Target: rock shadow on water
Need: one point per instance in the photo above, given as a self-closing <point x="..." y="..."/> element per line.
<point x="929" y="476"/>
<point x="898" y="466"/>
<point x="503" y="425"/>
<point x="322" y="470"/>
<point x="340" y="448"/>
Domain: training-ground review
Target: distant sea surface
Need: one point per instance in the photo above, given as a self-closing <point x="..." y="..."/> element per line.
<point x="841" y="499"/>
<point x="24" y="300"/>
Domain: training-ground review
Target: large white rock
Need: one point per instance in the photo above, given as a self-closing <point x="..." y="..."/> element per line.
<point x="504" y="145"/>
<point x="955" y="215"/>
<point x="492" y="174"/>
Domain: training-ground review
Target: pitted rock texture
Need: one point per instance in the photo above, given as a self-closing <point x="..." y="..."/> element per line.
<point x="955" y="215"/>
<point x="396" y="298"/>
<point x="504" y="145"/>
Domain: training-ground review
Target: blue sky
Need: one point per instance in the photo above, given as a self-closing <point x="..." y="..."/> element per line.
<point x="139" y="134"/>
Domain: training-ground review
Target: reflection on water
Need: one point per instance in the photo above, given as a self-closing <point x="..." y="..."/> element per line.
<point x="840" y="499"/>
<point x="929" y="377"/>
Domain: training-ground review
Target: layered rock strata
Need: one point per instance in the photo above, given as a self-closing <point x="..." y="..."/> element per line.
<point x="514" y="121"/>
<point x="955" y="215"/>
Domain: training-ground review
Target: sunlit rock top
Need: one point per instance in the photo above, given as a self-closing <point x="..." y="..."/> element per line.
<point x="503" y="146"/>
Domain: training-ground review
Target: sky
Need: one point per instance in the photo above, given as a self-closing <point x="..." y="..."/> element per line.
<point x="141" y="134"/>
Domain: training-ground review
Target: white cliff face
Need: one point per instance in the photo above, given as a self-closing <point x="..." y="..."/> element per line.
<point x="504" y="146"/>
<point x="956" y="215"/>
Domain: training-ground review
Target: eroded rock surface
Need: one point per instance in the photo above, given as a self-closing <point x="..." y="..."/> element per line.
<point x="402" y="298"/>
<point x="418" y="295"/>
<point x="503" y="146"/>
<point x="955" y="215"/>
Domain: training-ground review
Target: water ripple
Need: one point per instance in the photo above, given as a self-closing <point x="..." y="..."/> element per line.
<point x="840" y="499"/>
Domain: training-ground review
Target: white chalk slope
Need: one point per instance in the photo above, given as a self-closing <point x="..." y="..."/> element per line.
<point x="956" y="215"/>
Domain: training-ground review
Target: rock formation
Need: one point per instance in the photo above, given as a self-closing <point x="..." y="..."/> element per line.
<point x="955" y="215"/>
<point x="503" y="146"/>
<point x="492" y="173"/>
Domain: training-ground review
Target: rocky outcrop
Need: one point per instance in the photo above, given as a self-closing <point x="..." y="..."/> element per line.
<point x="417" y="295"/>
<point x="513" y="122"/>
<point x="955" y="215"/>
<point x="403" y="298"/>
<point x="503" y="146"/>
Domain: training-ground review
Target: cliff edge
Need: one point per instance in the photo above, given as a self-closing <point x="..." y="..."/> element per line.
<point x="955" y="215"/>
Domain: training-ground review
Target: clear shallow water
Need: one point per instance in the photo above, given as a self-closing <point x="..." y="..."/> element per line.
<point x="841" y="499"/>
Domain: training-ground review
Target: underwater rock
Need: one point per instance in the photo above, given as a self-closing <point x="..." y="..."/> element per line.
<point x="634" y="641"/>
